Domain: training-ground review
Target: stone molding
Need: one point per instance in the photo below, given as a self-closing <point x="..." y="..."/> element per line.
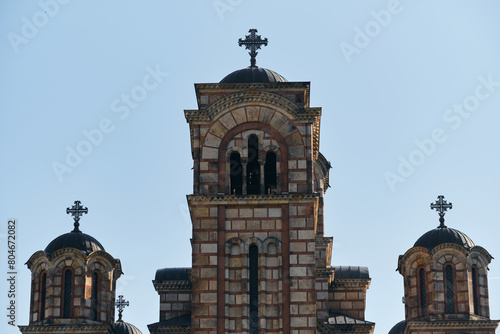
<point x="324" y="242"/>
<point x="66" y="329"/>
<point x="165" y="286"/>
<point x="254" y="85"/>
<point x="169" y="329"/>
<point x="453" y="324"/>
<point x="351" y="283"/>
<point x="271" y="199"/>
<point x="324" y="273"/>
<point x="345" y="328"/>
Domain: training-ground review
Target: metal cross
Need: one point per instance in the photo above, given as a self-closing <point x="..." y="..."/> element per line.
<point x="121" y="304"/>
<point x="252" y="42"/>
<point x="441" y="206"/>
<point x="76" y="211"/>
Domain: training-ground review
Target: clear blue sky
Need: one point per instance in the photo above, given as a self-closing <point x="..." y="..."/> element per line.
<point x="410" y="92"/>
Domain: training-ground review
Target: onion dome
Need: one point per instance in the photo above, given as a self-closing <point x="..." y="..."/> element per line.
<point x="398" y="328"/>
<point x="75" y="239"/>
<point x="253" y="74"/>
<point x="443" y="234"/>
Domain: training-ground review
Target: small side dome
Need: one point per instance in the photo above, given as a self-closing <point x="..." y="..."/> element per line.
<point x="351" y="272"/>
<point x="442" y="235"/>
<point x="398" y="328"/>
<point x="172" y="274"/>
<point x="122" y="327"/>
<point x="78" y="240"/>
<point x="253" y="74"/>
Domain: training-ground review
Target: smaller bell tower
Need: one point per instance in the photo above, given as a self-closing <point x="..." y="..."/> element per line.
<point x="445" y="282"/>
<point x="72" y="284"/>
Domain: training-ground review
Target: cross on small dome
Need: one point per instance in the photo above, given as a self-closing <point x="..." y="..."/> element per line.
<point x="76" y="211"/>
<point x="441" y="206"/>
<point x="120" y="304"/>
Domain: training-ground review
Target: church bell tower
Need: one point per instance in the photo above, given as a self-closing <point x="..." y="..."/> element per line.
<point x="257" y="204"/>
<point x="260" y="260"/>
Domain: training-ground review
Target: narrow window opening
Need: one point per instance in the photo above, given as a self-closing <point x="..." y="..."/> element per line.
<point x="236" y="173"/>
<point x="253" y="167"/>
<point x="450" y="295"/>
<point x="95" y="291"/>
<point x="43" y="294"/>
<point x="254" y="289"/>
<point x="422" y="292"/>
<point x="68" y="280"/>
<point x="270" y="173"/>
<point x="475" y="290"/>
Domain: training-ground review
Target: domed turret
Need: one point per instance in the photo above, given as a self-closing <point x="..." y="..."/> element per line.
<point x="73" y="282"/>
<point x="445" y="280"/>
<point x="442" y="235"/>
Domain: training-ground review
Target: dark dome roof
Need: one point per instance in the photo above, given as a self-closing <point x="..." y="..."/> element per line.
<point x="122" y="327"/>
<point x="351" y="272"/>
<point x="253" y="74"/>
<point x="398" y="328"/>
<point x="442" y="235"/>
<point x="74" y="239"/>
<point x="172" y="274"/>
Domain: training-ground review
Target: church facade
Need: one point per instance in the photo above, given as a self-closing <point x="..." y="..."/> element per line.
<point x="261" y="262"/>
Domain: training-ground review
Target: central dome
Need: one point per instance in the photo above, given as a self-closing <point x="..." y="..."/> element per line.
<point x="442" y="235"/>
<point x="253" y="74"/>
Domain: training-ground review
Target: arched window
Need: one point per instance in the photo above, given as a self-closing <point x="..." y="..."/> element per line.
<point x="270" y="173"/>
<point x="449" y="290"/>
<point x="67" y="293"/>
<point x="43" y="294"/>
<point x="475" y="290"/>
<point x="235" y="173"/>
<point x="422" y="292"/>
<point x="95" y="293"/>
<point x="253" y="167"/>
<point x="254" y="289"/>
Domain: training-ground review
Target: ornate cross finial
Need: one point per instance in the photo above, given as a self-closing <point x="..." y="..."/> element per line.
<point x="76" y="211"/>
<point x="120" y="305"/>
<point x="252" y="42"/>
<point x="441" y="206"/>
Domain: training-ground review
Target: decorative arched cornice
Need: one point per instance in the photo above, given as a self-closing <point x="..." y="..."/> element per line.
<point x="480" y="250"/>
<point x="458" y="250"/>
<point x="35" y="259"/>
<point x="453" y="248"/>
<point x="76" y="255"/>
<point x="108" y="260"/>
<point x="403" y="259"/>
<point x="246" y="98"/>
